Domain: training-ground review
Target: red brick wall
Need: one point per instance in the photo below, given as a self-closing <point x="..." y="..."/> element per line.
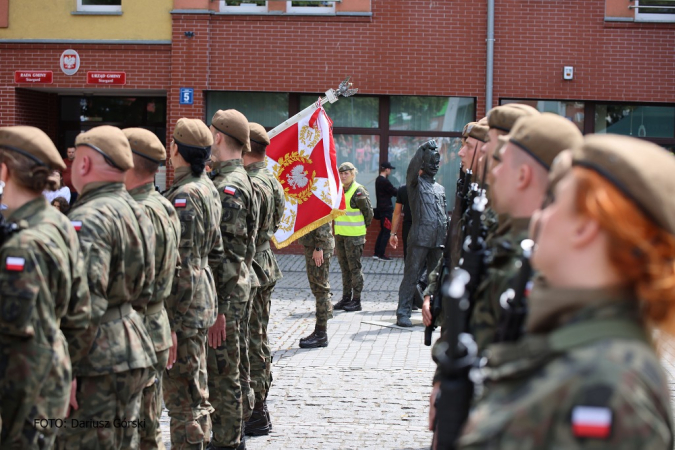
<point x="38" y="109"/>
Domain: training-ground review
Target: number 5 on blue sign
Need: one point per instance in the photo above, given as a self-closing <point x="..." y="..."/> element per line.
<point x="186" y="96"/>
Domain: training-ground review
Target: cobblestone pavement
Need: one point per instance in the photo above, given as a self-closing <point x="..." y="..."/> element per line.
<point x="369" y="388"/>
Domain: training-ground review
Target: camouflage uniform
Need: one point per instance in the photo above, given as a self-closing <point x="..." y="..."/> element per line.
<point x="118" y="243"/>
<point x="49" y="287"/>
<point x="318" y="276"/>
<point x="350" y="248"/>
<point x="267" y="270"/>
<point x="238" y="225"/>
<point x="588" y="353"/>
<point x="167" y="235"/>
<point x="191" y="306"/>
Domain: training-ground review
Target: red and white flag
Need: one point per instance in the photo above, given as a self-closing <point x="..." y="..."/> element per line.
<point x="303" y="159"/>
<point x="15" y="264"/>
<point x="591" y="422"/>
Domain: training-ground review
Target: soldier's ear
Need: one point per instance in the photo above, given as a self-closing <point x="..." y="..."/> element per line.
<point x="3" y="172"/>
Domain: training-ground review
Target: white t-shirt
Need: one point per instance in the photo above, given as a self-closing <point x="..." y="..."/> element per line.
<point x="51" y="195"/>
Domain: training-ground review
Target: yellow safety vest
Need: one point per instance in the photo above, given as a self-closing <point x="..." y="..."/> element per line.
<point x="352" y="223"/>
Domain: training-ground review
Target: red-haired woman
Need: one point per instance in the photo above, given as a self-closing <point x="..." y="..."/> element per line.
<point x="586" y="374"/>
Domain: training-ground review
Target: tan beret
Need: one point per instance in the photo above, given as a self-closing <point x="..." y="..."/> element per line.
<point x="346" y="166"/>
<point x="544" y="136"/>
<point x="504" y="117"/>
<point x="109" y="142"/>
<point x="33" y="143"/>
<point x="258" y="134"/>
<point x="234" y="124"/>
<point x="477" y="130"/>
<point x="193" y="133"/>
<point x="639" y="169"/>
<point x="146" y="144"/>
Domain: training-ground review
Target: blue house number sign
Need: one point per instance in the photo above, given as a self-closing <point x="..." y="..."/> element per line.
<point x="187" y="96"/>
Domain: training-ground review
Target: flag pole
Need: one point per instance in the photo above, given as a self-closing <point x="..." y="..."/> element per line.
<point x="332" y="96"/>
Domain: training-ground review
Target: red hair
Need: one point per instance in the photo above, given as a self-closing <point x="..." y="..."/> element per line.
<point x="639" y="250"/>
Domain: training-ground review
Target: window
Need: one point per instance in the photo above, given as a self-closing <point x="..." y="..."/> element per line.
<point x="635" y="120"/>
<point x="573" y="111"/>
<point x="431" y="113"/>
<point x="267" y="109"/>
<point x="654" y="10"/>
<point x="310" y="7"/>
<point x="351" y="112"/>
<point x="243" y="6"/>
<point x="364" y="152"/>
<point x="102" y="6"/>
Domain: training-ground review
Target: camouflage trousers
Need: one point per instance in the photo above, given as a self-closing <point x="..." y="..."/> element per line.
<point x="349" y="250"/>
<point x="108" y="406"/>
<point x="320" y="285"/>
<point x="224" y="381"/>
<point x="151" y="406"/>
<point x="186" y="393"/>
<point x="259" y="352"/>
<point x="247" y="394"/>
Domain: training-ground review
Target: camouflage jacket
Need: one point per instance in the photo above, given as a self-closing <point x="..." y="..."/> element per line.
<point x="42" y="282"/>
<point x="118" y="244"/>
<point x="192" y="301"/>
<point x="238" y="224"/>
<point x="321" y="237"/>
<point x="167" y="235"/>
<point x="272" y="204"/>
<point x="575" y="382"/>
<point x="502" y="266"/>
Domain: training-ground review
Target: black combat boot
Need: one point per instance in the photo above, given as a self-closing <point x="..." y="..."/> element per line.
<point x="319" y="338"/>
<point x="354" y="305"/>
<point x="346" y="298"/>
<point x="257" y="425"/>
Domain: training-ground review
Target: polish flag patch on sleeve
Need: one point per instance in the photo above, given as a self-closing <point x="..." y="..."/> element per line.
<point x="229" y="190"/>
<point x="180" y="203"/>
<point x="15" y="264"/>
<point x="591" y="422"/>
<point x="77" y="224"/>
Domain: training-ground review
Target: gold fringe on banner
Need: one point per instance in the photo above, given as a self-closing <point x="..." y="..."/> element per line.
<point x="309" y="228"/>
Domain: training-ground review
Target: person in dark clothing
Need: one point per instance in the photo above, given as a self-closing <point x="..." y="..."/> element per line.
<point x="402" y="208"/>
<point x="384" y="191"/>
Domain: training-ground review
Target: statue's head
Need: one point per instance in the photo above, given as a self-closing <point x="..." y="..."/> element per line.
<point x="431" y="159"/>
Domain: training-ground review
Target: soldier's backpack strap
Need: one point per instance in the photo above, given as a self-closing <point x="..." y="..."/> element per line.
<point x="582" y="333"/>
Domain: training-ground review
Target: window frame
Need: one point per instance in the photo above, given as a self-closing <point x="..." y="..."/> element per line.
<point x="99" y="8"/>
<point x="313" y="10"/>
<point x="243" y="9"/>
<point x="651" y="17"/>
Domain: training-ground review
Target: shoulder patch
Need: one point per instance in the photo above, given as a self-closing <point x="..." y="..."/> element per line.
<point x="15" y="264"/>
<point x="229" y="190"/>
<point x="591" y="422"/>
<point x="180" y="202"/>
<point x="358" y="193"/>
<point x="77" y="224"/>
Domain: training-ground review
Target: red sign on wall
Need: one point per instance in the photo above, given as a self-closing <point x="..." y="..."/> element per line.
<point x="106" y="78"/>
<point x="33" y="76"/>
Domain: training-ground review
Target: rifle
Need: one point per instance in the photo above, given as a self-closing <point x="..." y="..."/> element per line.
<point x="6" y="228"/>
<point x="455" y="358"/>
<point x="436" y="305"/>
<point x="513" y="300"/>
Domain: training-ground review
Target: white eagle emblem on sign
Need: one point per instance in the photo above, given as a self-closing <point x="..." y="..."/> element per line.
<point x="298" y="177"/>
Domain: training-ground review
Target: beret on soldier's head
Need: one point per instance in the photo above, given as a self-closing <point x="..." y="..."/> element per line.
<point x="345" y="166"/>
<point x="544" y="136"/>
<point x="258" y="134"/>
<point x="504" y="117"/>
<point x="641" y="170"/>
<point x="32" y="143"/>
<point x="477" y="130"/>
<point x="145" y="143"/>
<point x="193" y="133"/>
<point x="111" y="143"/>
<point x="234" y="124"/>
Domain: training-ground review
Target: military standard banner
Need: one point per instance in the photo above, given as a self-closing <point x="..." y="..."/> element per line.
<point x="303" y="159"/>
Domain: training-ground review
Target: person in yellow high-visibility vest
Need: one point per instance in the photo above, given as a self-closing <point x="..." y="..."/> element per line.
<point x="350" y="237"/>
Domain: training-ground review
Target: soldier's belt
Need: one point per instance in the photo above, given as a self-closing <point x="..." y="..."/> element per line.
<point x="262" y="247"/>
<point x="117" y="312"/>
<point x="154" y="308"/>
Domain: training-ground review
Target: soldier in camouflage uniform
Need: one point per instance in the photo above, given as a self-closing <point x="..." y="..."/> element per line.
<point x="43" y="287"/>
<point x="586" y="374"/>
<point x="272" y="204"/>
<point x="118" y="244"/>
<point x="319" y="245"/>
<point x="148" y="152"/>
<point x="350" y="237"/>
<point x="191" y="305"/>
<point x="229" y="379"/>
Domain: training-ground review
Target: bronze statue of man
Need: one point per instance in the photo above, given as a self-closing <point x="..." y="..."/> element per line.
<point x="429" y="225"/>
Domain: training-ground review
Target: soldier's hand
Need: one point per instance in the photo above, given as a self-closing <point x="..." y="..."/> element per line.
<point x="426" y="311"/>
<point x="432" y="404"/>
<point x="217" y="333"/>
<point x="73" y="397"/>
<point x="317" y="256"/>
<point x="173" y="351"/>
<point x="393" y="241"/>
